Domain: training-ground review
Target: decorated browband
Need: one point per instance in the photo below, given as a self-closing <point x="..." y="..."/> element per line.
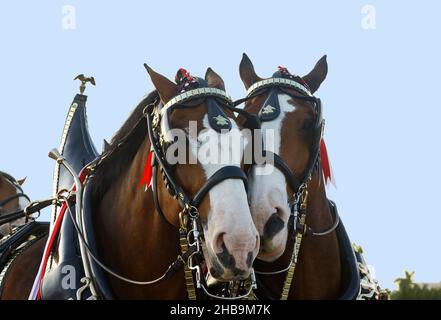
<point x="281" y="78"/>
<point x="190" y="88"/>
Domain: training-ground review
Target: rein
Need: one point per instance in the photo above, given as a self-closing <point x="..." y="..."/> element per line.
<point x="32" y="208"/>
<point x="299" y="186"/>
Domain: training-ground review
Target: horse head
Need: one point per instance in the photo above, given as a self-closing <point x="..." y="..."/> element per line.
<point x="285" y="106"/>
<point x="12" y="199"/>
<point x="207" y="132"/>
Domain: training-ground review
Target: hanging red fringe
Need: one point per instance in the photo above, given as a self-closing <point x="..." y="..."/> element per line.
<point x="147" y="174"/>
<point x="326" y="166"/>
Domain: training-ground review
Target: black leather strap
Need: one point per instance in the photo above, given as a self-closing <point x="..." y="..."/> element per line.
<point x="155" y="193"/>
<point x="32" y="208"/>
<point x="177" y="190"/>
<point x="11" y="217"/>
<point x="252" y="121"/>
<point x="228" y="172"/>
<point x="13" y="197"/>
<point x="22" y="234"/>
<point x="99" y="276"/>
<point x="293" y="181"/>
<point x="20" y="241"/>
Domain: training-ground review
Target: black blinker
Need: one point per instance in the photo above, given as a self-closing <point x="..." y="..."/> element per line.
<point x="271" y="107"/>
<point x="216" y="117"/>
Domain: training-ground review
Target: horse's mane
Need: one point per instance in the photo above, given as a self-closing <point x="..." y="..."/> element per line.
<point x="116" y="158"/>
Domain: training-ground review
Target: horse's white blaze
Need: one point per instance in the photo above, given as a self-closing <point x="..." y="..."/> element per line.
<point x="229" y="210"/>
<point x="268" y="192"/>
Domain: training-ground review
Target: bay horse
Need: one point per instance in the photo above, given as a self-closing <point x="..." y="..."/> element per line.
<point x="16" y="283"/>
<point x="286" y="106"/>
<point x="137" y="230"/>
<point x="12" y="198"/>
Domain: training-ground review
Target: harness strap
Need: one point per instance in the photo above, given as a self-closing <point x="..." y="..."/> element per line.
<point x="171" y="270"/>
<point x="15" y="196"/>
<point x="252" y="121"/>
<point x="228" y="172"/>
<point x="155" y="194"/>
<point x="34" y="207"/>
<point x="18" y="237"/>
<point x="293" y="181"/>
<point x="177" y="190"/>
<point x="290" y="273"/>
<point x="23" y="246"/>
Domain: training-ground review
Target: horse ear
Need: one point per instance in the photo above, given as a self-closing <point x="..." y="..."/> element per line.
<point x="214" y="80"/>
<point x="247" y="73"/>
<point x="166" y="88"/>
<point x="21" y="181"/>
<point x="317" y="75"/>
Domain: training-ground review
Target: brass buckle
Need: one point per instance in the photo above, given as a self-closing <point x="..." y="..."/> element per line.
<point x="304" y="199"/>
<point x="183" y="220"/>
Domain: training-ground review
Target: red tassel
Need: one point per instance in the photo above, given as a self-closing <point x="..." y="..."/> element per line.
<point x="147" y="175"/>
<point x="326" y="167"/>
<point x="53" y="235"/>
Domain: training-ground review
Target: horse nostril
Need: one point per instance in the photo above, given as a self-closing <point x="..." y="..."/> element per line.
<point x="280" y="213"/>
<point x="257" y="246"/>
<point x="273" y="226"/>
<point x="252" y="254"/>
<point x="219" y="242"/>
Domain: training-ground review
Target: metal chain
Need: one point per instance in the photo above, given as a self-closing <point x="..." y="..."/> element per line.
<point x="299" y="216"/>
<point x="184" y="243"/>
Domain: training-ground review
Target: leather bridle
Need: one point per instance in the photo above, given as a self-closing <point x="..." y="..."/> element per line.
<point x="272" y="87"/>
<point x="19" y="194"/>
<point x="155" y="115"/>
<point x="283" y="82"/>
<point x="190" y="229"/>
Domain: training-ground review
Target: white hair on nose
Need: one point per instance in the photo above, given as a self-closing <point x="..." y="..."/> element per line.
<point x="268" y="192"/>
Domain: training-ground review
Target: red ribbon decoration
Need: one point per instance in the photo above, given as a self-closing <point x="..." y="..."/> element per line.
<point x="53" y="236"/>
<point x="147" y="174"/>
<point x="326" y="167"/>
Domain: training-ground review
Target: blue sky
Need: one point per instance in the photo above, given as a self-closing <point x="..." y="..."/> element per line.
<point x="380" y="97"/>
